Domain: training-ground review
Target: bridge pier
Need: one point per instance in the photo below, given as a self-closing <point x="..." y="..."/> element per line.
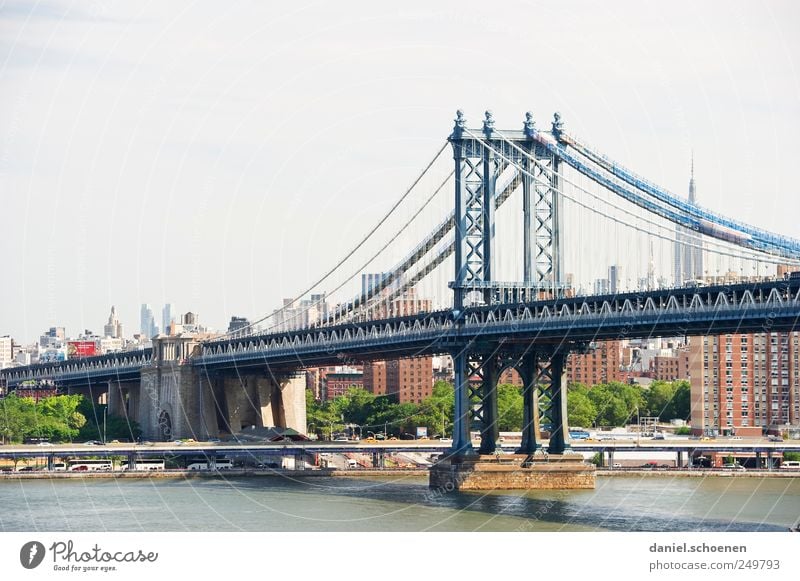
<point x="544" y="383"/>
<point x="114" y="398"/>
<point x="260" y="398"/>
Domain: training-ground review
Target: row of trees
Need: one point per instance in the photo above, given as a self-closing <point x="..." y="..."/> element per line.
<point x="611" y="404"/>
<point x="60" y="418"/>
<point x="616" y="404"/>
<point x="381" y="414"/>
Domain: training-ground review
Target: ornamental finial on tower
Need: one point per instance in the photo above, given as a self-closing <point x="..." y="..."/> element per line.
<point x="460" y="124"/>
<point x="558" y="126"/>
<point x="529" y="126"/>
<point x="488" y="124"/>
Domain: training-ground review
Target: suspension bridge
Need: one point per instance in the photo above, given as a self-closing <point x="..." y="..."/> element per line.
<point x="507" y="240"/>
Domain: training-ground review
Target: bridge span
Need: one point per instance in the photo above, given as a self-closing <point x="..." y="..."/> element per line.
<point x="531" y="320"/>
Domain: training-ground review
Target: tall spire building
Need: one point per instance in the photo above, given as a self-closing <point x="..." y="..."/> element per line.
<point x="688" y="246"/>
<point x="113" y="328"/>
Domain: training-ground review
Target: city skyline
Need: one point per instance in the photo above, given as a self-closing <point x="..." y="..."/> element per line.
<point x="183" y="154"/>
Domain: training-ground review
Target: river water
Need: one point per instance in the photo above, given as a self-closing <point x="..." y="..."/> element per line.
<point x="402" y="503"/>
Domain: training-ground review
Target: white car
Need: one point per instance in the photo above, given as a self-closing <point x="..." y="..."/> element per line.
<point x="736" y="467"/>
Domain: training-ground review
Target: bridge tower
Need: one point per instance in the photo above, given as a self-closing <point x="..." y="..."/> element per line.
<point x="481" y="157"/>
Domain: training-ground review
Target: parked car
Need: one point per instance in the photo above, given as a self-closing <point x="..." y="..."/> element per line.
<point x="735" y="466"/>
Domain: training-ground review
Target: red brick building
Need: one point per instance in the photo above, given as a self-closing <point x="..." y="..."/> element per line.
<point x="671" y="367"/>
<point x="338" y="382"/>
<point x="745" y="383"/>
<point x="599" y="366"/>
<point x="375" y="377"/>
<point x="411" y="379"/>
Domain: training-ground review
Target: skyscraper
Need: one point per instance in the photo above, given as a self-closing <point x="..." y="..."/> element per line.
<point x="615" y="278"/>
<point x="147" y="324"/>
<point x="688" y="247"/>
<point x="166" y="317"/>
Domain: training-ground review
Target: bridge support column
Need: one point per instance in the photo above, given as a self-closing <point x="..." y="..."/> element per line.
<point x="679" y="461"/>
<point x="293" y="399"/>
<point x="553" y="385"/>
<point x="610" y="459"/>
<point x="462" y="444"/>
<point x="758" y="460"/>
<point x="487" y="412"/>
<point x="530" y="405"/>
<point x="115" y="398"/>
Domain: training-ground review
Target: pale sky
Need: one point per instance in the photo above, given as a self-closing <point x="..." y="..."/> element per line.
<point x="219" y="156"/>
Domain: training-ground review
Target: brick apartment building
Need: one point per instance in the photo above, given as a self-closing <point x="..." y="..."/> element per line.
<point x="745" y="383"/>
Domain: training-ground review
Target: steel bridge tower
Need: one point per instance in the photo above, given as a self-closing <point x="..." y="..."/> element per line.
<point x="481" y="156"/>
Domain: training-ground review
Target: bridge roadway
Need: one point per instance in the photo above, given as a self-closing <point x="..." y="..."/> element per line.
<point x="739" y="308"/>
<point x="430" y="447"/>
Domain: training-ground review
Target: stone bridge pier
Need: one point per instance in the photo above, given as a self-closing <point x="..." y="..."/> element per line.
<point x="178" y="400"/>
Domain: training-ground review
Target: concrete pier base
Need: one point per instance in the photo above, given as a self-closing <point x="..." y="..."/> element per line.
<point x="512" y="472"/>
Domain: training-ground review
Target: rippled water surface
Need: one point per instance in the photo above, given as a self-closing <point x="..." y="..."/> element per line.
<point x="404" y="503"/>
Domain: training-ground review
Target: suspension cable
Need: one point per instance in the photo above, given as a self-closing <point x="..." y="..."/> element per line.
<point x="349" y="254"/>
<point x="544" y="168"/>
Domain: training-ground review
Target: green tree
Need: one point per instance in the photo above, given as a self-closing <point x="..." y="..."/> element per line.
<point x="682" y="400"/>
<point x="581" y="411"/>
<point x="436" y="411"/>
<point x="321" y="417"/>
<point x="658" y="400"/>
<point x="509" y="408"/>
<point x="57" y="418"/>
<point x="355" y="405"/>
<point x="616" y="403"/>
